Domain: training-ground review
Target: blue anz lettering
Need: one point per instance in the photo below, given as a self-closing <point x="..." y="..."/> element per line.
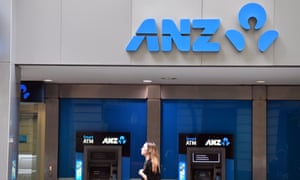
<point x="148" y="31"/>
<point x="181" y="37"/>
<point x="170" y="32"/>
<point x="209" y="27"/>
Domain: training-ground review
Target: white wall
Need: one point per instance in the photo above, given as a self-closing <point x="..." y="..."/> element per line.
<point x="96" y="32"/>
<point x="8" y="121"/>
<point x="4" y="118"/>
<point x="5" y="12"/>
<point x="286" y="21"/>
<point x="8" y="103"/>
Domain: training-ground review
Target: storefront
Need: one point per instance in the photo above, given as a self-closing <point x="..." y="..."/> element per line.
<point x="255" y="120"/>
<point x="209" y="124"/>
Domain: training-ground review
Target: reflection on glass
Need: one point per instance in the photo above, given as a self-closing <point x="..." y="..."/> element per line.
<point x="31" y="145"/>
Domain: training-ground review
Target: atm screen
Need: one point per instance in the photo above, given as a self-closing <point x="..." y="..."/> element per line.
<point x="200" y="157"/>
<point x="99" y="172"/>
<point x="203" y="174"/>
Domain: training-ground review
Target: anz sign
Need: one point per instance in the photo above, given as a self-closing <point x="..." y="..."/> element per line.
<point x="170" y="34"/>
<point x="188" y="140"/>
<point x="114" y="140"/>
<point x="218" y="142"/>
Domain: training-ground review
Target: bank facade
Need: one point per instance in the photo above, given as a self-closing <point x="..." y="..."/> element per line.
<point x="225" y="130"/>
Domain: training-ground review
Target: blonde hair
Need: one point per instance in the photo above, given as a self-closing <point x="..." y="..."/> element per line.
<point x="154" y="156"/>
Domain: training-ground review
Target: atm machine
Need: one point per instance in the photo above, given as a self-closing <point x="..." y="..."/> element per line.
<point x="102" y="162"/>
<point x="101" y="155"/>
<point x="206" y="163"/>
<point x="205" y="156"/>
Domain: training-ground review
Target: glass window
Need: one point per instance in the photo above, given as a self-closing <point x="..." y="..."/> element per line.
<point x="209" y="116"/>
<point x="98" y="115"/>
<point x="283" y="129"/>
<point x="31" y="141"/>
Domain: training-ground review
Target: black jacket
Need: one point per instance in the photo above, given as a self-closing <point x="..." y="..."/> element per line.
<point x="148" y="171"/>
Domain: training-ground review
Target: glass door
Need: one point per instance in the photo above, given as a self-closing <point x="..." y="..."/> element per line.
<point x="31" y="141"/>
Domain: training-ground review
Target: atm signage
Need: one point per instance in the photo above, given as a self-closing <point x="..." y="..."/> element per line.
<point x="181" y="38"/>
<point x="191" y="141"/>
<point x="218" y="142"/>
<point x="114" y="140"/>
<point x="87" y="139"/>
<point x="206" y="141"/>
<point x="103" y="139"/>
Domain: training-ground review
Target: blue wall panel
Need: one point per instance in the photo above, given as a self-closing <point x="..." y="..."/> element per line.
<point x="209" y="116"/>
<point x="101" y="116"/>
<point x="283" y="131"/>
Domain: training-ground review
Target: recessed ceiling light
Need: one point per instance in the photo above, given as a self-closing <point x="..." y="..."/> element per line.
<point x="48" y="80"/>
<point x="260" y="82"/>
<point x="147" y="81"/>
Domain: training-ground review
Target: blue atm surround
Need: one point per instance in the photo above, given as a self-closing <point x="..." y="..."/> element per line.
<point x="232" y="117"/>
<point x="100" y="115"/>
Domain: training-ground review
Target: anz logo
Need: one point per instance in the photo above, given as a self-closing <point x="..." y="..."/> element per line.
<point x="209" y="27"/>
<point x="25" y="93"/>
<point x="218" y="142"/>
<point x="114" y="140"/>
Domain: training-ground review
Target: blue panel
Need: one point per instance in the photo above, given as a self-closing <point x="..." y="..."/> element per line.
<point x="220" y="117"/>
<point x="182" y="167"/>
<point x="230" y="168"/>
<point x="283" y="132"/>
<point x="79" y="166"/>
<point x="100" y="115"/>
<point x="22" y="138"/>
<point x="125" y="168"/>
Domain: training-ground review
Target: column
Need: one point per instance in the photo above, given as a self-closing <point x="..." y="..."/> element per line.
<point x="259" y="130"/>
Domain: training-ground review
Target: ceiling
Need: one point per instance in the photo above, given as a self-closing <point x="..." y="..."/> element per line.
<point x="182" y="75"/>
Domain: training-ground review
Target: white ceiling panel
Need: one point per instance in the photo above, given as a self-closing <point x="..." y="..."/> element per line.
<point x="163" y="75"/>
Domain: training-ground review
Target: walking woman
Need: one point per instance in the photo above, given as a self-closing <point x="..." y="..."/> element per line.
<point x="151" y="170"/>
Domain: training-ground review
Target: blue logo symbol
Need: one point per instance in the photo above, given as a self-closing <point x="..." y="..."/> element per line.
<point x="24" y="92"/>
<point x="182" y="38"/>
<point x="248" y="12"/>
<point x="225" y="141"/>
<point x="122" y="140"/>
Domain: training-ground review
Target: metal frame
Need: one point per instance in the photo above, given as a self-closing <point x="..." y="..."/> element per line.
<point x="221" y="151"/>
<point x="99" y="148"/>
